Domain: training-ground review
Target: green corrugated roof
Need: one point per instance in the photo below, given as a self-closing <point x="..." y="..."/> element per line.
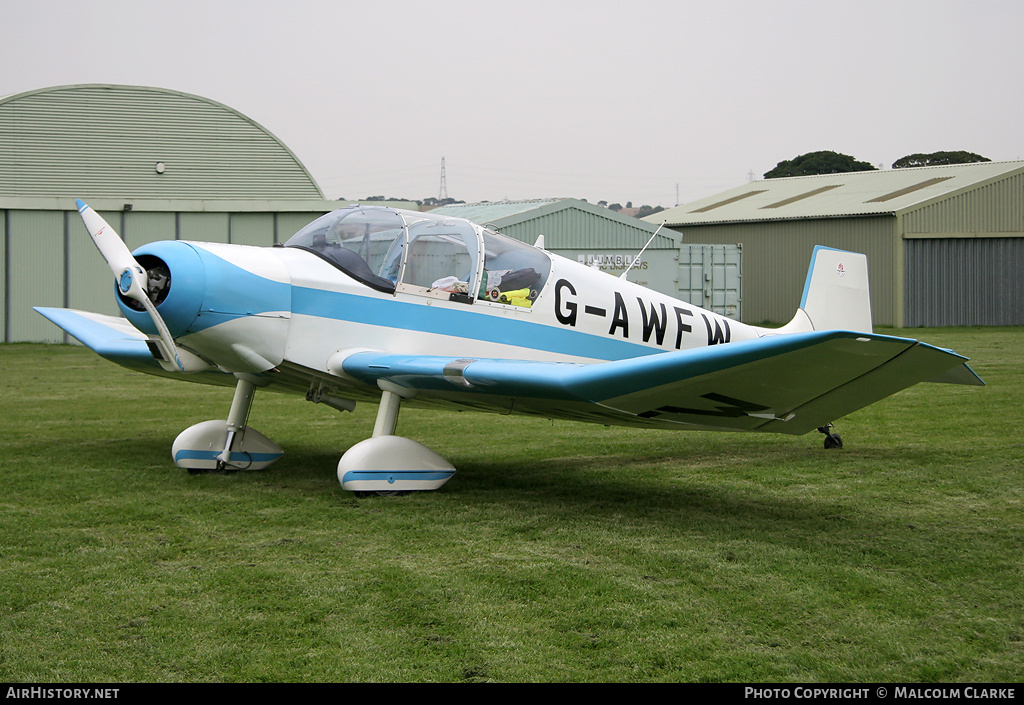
<point x="566" y="223"/>
<point x="487" y="212"/>
<point x="99" y="140"/>
<point x="859" y="193"/>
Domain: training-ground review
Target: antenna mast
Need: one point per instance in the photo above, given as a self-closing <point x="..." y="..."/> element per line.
<point x="443" y="193"/>
<point x="644" y="249"/>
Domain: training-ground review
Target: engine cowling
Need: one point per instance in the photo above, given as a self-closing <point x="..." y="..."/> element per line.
<point x="198" y="287"/>
<point x="177" y="286"/>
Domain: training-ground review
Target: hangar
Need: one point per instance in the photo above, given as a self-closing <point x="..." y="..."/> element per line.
<point x="158" y="164"/>
<point x="575" y="229"/>
<point x="945" y="244"/>
<point x="705" y="275"/>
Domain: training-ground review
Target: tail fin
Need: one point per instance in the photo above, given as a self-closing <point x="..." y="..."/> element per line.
<point x="836" y="294"/>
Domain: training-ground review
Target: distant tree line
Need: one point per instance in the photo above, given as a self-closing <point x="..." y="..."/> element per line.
<point x="648" y="210"/>
<point x="642" y="211"/>
<point x="432" y="202"/>
<point x="824" y="162"/>
<point x="436" y="203"/>
<point x="827" y="162"/>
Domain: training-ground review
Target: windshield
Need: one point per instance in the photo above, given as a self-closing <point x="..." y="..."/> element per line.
<point x="355" y="240"/>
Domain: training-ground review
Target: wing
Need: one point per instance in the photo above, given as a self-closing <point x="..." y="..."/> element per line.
<point x="784" y="384"/>
<point x="117" y="340"/>
<point x="110" y="337"/>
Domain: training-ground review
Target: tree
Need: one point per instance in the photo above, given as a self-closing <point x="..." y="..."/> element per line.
<point x="648" y="210"/>
<point x="818" y="163"/>
<point x="437" y="202"/>
<point x="938" y="159"/>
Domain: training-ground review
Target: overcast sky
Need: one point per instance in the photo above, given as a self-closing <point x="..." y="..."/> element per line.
<point x="617" y="101"/>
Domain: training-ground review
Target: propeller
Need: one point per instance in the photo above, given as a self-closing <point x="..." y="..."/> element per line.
<point x="131" y="278"/>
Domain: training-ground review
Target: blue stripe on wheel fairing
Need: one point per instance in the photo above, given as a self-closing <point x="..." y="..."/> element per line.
<point x="190" y="454"/>
<point x="390" y="476"/>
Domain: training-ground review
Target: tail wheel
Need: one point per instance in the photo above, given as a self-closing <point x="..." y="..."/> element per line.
<point x="832" y="440"/>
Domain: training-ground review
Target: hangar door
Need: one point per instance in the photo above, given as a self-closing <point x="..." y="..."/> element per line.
<point x="964" y="281"/>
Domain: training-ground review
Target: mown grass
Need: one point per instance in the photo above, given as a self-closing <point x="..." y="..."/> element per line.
<point x="559" y="552"/>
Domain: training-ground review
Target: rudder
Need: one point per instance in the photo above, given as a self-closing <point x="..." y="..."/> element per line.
<point x="836" y="295"/>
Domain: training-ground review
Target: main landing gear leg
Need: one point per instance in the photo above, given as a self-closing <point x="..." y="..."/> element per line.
<point x="226" y="445"/>
<point x="387" y="414"/>
<point x="832" y="440"/>
<point x="237" y="416"/>
<point x="388" y="464"/>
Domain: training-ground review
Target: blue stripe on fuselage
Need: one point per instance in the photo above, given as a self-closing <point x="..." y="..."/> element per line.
<point x="468" y="323"/>
<point x="253" y="294"/>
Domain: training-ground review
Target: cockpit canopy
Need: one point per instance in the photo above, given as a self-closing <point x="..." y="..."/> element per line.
<point x="391" y="250"/>
<point x="355" y="240"/>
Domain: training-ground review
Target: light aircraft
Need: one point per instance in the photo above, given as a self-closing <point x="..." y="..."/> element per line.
<point x="404" y="308"/>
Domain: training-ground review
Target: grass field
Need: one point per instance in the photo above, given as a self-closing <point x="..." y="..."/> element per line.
<point x="558" y="552"/>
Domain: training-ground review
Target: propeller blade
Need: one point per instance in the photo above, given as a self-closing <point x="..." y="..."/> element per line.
<point x="131" y="278"/>
<point x="116" y="253"/>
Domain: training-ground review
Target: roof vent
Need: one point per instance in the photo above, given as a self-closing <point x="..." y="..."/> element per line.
<point x="801" y="197"/>
<point x="909" y="189"/>
<point x="727" y="201"/>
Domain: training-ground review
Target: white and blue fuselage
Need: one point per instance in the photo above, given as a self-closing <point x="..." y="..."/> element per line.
<point x="372" y="303"/>
<point x="252" y="309"/>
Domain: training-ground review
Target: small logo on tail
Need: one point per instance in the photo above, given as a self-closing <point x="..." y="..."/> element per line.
<point x="840" y="270"/>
